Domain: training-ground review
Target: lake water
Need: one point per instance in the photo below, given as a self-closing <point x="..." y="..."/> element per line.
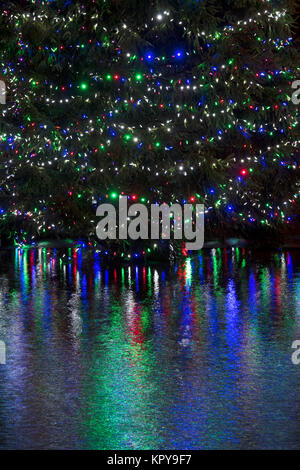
<point x="195" y="355"/>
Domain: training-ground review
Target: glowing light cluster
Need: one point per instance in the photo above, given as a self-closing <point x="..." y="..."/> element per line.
<point x="164" y="110"/>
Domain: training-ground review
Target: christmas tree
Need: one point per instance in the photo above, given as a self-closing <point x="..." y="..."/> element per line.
<point x="163" y="101"/>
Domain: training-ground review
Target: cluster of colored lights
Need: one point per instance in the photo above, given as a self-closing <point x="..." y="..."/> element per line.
<point x="152" y="104"/>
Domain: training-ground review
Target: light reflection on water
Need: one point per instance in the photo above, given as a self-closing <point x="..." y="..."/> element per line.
<point x="192" y="356"/>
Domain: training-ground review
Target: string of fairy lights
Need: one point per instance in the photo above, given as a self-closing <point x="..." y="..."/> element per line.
<point x="136" y="111"/>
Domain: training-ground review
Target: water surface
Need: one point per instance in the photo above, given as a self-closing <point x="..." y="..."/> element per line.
<point x="196" y="355"/>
